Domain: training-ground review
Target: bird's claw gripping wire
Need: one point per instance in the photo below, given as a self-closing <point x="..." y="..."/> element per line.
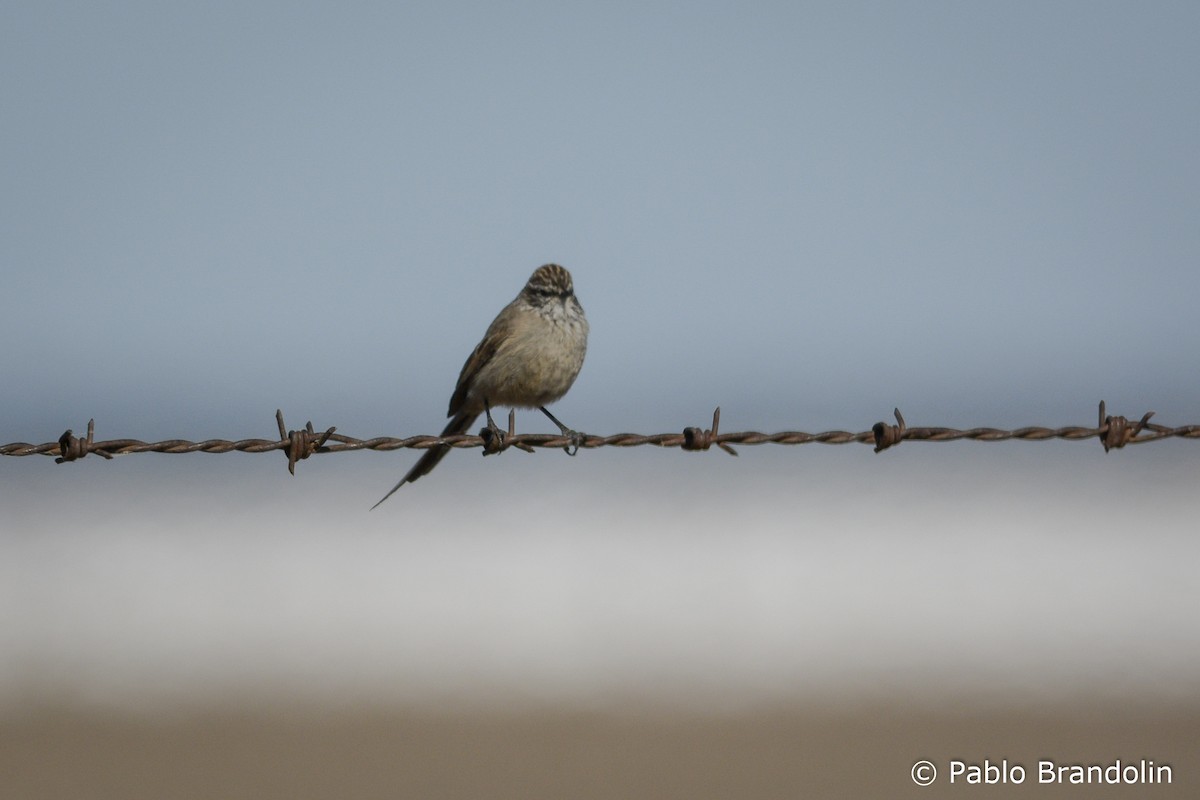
<point x="574" y="438"/>
<point x="496" y="440"/>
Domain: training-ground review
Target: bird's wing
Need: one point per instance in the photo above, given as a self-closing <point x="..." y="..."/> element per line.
<point x="497" y="332"/>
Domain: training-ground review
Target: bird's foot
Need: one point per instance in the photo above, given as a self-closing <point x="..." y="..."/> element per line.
<point x="575" y="438"/>
<point x="496" y="440"/>
<point x="493" y="437"/>
<point x="576" y="441"/>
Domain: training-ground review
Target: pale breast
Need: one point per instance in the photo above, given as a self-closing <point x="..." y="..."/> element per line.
<point x="536" y="363"/>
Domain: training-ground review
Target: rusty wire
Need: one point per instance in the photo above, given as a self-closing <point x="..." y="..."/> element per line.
<point x="1114" y="432"/>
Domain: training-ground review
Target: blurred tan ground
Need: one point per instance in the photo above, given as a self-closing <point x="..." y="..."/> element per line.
<point x="797" y="752"/>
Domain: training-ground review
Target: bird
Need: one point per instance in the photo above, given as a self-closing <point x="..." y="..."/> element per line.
<point x="528" y="358"/>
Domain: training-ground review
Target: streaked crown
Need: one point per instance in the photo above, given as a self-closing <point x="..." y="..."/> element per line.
<point x="550" y="280"/>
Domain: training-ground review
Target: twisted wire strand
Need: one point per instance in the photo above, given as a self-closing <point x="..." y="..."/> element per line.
<point x="1113" y="432"/>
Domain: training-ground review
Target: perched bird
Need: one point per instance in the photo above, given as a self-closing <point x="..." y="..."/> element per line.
<point x="528" y="358"/>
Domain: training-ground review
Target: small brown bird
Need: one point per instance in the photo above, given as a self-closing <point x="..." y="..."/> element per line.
<point x="529" y="357"/>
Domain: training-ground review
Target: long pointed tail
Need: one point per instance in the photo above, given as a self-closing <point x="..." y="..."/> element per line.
<point x="460" y="423"/>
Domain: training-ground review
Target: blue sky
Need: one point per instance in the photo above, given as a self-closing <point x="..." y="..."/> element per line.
<point x="795" y="210"/>
<point x="805" y="213"/>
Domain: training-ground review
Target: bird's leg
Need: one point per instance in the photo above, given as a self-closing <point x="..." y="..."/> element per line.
<point x="493" y="437"/>
<point x="575" y="436"/>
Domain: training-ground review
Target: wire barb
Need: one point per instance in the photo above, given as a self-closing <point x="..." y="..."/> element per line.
<point x="72" y="447"/>
<point x="1116" y="432"/>
<point x="888" y="435"/>
<point x="696" y="439"/>
<point x="299" y="445"/>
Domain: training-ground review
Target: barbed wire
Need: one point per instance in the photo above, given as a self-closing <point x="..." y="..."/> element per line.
<point x="1113" y="432"/>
